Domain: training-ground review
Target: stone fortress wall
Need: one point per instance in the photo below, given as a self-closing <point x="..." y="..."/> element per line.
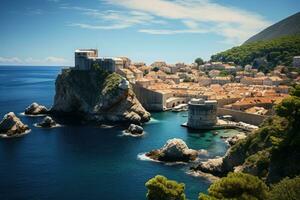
<point x="202" y="114"/>
<point x="150" y="100"/>
<point x="238" y="116"/>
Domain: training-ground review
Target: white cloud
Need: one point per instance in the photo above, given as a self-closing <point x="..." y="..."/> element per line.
<point x="91" y="26"/>
<point x="112" y="19"/>
<point x="169" y="32"/>
<point x="10" y="60"/>
<point x="234" y="24"/>
<point x="51" y="60"/>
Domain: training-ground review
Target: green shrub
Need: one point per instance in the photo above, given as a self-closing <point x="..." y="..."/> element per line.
<point x="287" y="189"/>
<point x="237" y="186"/>
<point x="111" y="84"/>
<point x="160" y="188"/>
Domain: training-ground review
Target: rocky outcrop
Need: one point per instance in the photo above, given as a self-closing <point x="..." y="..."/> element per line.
<point x="174" y="150"/>
<point x="135" y="129"/>
<point x="96" y="95"/>
<point x="47" y="122"/>
<point x="235" y="156"/>
<point x="11" y="126"/>
<point x="234" y="139"/>
<point x="36" y="109"/>
<point x="211" y="166"/>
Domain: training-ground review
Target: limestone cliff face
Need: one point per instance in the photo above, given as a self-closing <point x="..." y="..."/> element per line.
<point x="97" y="95"/>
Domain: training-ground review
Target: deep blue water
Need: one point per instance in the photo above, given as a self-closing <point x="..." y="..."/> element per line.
<point x="84" y="161"/>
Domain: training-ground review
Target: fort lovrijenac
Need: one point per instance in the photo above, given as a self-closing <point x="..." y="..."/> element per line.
<point x="86" y="58"/>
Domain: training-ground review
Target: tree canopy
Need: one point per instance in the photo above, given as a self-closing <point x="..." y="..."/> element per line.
<point x="199" y="61"/>
<point x="287" y="189"/>
<point x="160" y="188"/>
<point x="237" y="186"/>
<point x="268" y="54"/>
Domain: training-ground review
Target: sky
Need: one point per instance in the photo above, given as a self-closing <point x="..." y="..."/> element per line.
<point x="46" y="32"/>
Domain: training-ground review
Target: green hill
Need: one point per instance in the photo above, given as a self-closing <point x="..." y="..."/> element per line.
<point x="288" y="26"/>
<point x="265" y="54"/>
<point x="273" y="151"/>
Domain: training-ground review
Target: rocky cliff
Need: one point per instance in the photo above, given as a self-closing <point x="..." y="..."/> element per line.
<point x="98" y="96"/>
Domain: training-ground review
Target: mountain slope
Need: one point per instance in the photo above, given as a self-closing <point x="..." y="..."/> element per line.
<point x="279" y="51"/>
<point x="288" y="26"/>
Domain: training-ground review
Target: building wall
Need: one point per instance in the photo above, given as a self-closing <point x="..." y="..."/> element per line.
<point x="248" y="118"/>
<point x="296" y="61"/>
<point x="201" y="116"/>
<point x="175" y="101"/>
<point x="151" y="100"/>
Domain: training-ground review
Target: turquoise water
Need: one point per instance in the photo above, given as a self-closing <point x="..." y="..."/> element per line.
<point x="83" y="161"/>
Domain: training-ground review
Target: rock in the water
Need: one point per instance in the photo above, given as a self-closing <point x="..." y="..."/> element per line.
<point x="47" y="122"/>
<point x="174" y="150"/>
<point x="135" y="129"/>
<point x="36" y="109"/>
<point x="97" y="96"/>
<point x="11" y="126"/>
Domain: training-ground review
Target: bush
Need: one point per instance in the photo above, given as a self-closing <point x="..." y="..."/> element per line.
<point x="111" y="84"/>
<point x="160" y="188"/>
<point x="237" y="186"/>
<point x="287" y="189"/>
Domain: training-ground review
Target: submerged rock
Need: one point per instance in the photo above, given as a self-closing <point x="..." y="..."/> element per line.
<point x="11" y="126"/>
<point x="135" y="129"/>
<point x="97" y="96"/>
<point x="47" y="122"/>
<point x="174" y="150"/>
<point x="36" y="109"/>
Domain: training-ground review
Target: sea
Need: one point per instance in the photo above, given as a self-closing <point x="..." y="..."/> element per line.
<point x="84" y="161"/>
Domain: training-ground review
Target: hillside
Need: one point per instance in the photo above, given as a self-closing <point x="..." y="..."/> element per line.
<point x="263" y="54"/>
<point x="288" y="26"/>
<point x="272" y="152"/>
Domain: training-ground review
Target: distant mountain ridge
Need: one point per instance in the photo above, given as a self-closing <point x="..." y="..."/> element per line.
<point x="285" y="27"/>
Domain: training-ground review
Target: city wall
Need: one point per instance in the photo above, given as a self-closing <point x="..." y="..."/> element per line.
<point x="151" y="100"/>
<point x="248" y="118"/>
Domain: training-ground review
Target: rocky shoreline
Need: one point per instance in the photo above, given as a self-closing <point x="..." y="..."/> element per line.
<point x="220" y="166"/>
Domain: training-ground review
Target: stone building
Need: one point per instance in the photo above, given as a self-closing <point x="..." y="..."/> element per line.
<point x="296" y="61"/>
<point x="86" y="58"/>
<point x="202" y="114"/>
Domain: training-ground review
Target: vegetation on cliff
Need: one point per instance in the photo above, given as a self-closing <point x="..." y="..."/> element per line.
<point x="237" y="186"/>
<point x="287" y="189"/>
<point x="266" y="152"/>
<point x="263" y="54"/>
<point x="160" y="188"/>
<point x="241" y="186"/>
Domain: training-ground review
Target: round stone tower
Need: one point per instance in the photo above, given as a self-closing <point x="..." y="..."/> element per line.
<point x="202" y="114"/>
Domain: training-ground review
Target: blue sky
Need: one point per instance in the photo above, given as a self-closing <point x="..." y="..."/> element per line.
<point x="46" y="32"/>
